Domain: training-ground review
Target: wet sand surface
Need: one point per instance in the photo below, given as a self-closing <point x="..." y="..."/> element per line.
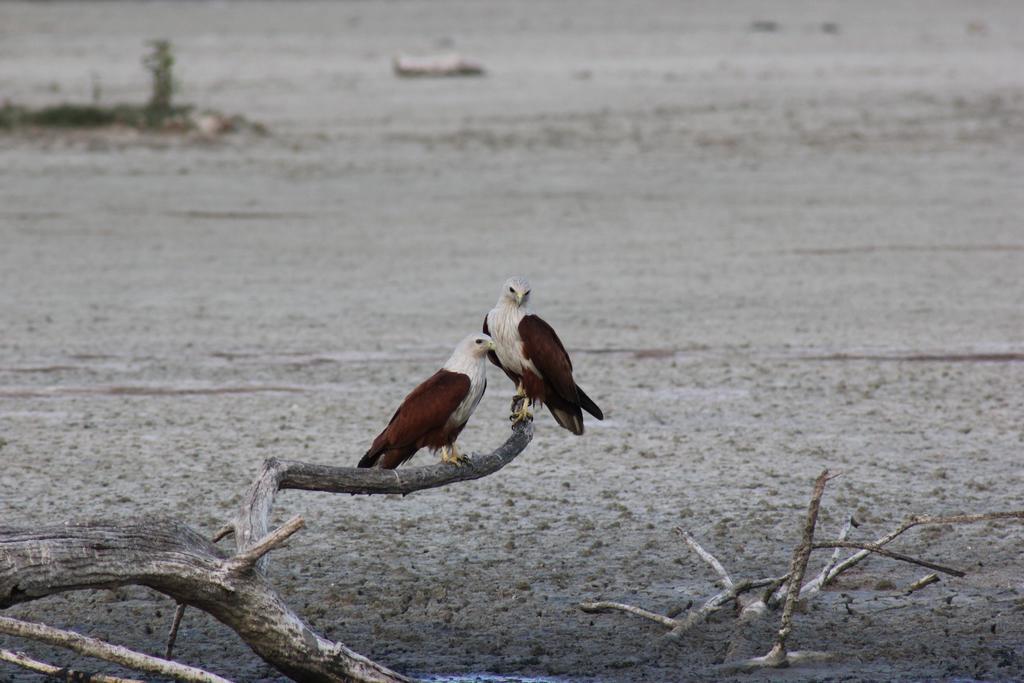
<point x="770" y="250"/>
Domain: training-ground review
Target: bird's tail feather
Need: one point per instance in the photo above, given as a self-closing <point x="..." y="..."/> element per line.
<point x="387" y="457"/>
<point x="588" y="405"/>
<point x="567" y="418"/>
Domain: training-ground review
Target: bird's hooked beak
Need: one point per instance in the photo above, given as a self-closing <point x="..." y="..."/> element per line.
<point x="519" y="298"/>
<point x="489" y="345"/>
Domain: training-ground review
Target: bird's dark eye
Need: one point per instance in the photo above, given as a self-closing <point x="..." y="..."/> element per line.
<point x="479" y="341"/>
<point x="526" y="293"/>
<point x="511" y="290"/>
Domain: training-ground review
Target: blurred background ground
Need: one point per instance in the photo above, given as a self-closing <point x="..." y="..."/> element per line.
<point x="718" y="204"/>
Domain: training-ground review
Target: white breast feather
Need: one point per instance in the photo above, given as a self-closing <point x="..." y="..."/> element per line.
<point x="476" y="370"/>
<point x="503" y="323"/>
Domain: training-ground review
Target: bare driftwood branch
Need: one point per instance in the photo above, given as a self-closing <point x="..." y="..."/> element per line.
<point x="58" y="673"/>
<point x="443" y="65"/>
<point x="919" y="520"/>
<point x="681" y="626"/>
<point x="172" y="634"/>
<point x="710" y="559"/>
<point x="173" y="559"/>
<point x="825" y="576"/>
<point x="718" y="602"/>
<point x="277" y="475"/>
<point x="871" y="547"/>
<point x="733" y="591"/>
<point x="822" y="578"/>
<point x="246" y="560"/>
<point x="923" y="582"/>
<point x="598" y="607"/>
<point x="93" y="647"/>
<point x="780" y="655"/>
<point x="777" y="656"/>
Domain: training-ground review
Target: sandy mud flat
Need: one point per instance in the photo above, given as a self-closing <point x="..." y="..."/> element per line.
<point x="775" y="238"/>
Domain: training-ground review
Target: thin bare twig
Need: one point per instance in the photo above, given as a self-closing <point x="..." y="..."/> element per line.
<point x="718" y="602"/>
<point x="777" y="655"/>
<point x="844" y="533"/>
<point x="871" y="547"/>
<point x="172" y="635"/>
<point x="58" y="672"/>
<point x="771" y="598"/>
<point x="769" y="592"/>
<point x="681" y="626"/>
<point x="732" y="592"/>
<point x="94" y="647"/>
<point x="922" y="583"/>
<point x="919" y="520"/>
<point x="247" y="559"/>
<point x="706" y="556"/>
<point x="598" y="607"/>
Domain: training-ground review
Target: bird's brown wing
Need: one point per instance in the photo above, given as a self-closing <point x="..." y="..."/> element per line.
<point x="542" y="346"/>
<point x="564" y="399"/>
<point x="426" y="409"/>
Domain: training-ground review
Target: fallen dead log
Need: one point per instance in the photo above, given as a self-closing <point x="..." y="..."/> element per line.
<point x="172" y="558"/>
<point x="435" y="67"/>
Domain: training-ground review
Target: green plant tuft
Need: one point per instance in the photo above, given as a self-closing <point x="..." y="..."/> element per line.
<point x="159" y="113"/>
<point x="160" y="64"/>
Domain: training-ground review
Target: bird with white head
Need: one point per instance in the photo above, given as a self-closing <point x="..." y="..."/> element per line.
<point x="434" y="413"/>
<point x="529" y="351"/>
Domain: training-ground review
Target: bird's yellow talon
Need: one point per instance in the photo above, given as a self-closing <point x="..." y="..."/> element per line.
<point x="451" y="455"/>
<point x="521" y="415"/>
<point x="520" y="392"/>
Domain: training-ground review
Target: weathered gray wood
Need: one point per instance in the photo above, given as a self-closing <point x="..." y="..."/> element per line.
<point x="171" y="558"/>
<point x="253" y="515"/>
<point x="780" y="655"/>
<point x="175" y="560"/>
<point x="101" y="650"/>
<point x="58" y="673"/>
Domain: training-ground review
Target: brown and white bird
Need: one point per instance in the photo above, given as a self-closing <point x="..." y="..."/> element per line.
<point x="533" y="357"/>
<point x="434" y="413"/>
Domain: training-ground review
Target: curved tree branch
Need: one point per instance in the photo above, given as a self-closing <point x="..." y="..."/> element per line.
<point x="175" y="560"/>
<point x="276" y="475"/>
